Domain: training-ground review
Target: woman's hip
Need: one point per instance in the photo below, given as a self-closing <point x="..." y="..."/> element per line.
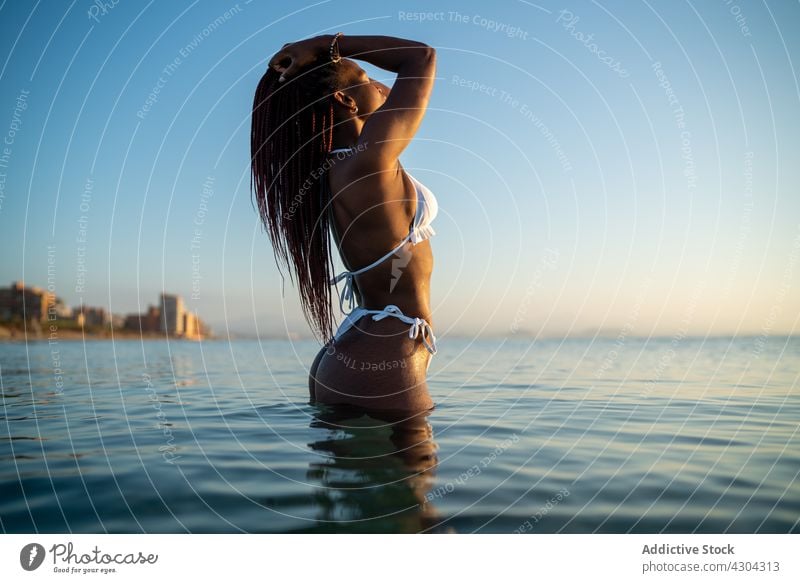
<point x="375" y="365"/>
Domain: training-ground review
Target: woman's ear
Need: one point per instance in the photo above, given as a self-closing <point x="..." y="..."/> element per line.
<point x="345" y="100"/>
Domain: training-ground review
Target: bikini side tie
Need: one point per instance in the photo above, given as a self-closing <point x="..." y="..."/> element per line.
<point x="418" y="325"/>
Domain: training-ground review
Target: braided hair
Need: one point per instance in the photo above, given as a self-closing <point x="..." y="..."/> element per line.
<point x="290" y="138"/>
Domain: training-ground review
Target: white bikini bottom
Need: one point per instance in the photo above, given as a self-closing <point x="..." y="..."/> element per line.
<point x="418" y="326"/>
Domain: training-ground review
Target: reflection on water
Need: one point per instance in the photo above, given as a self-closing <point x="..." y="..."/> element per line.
<point x="374" y="471"/>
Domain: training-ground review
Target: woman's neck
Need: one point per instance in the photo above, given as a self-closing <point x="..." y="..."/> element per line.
<point x="345" y="135"/>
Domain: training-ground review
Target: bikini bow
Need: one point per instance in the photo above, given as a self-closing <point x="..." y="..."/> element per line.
<point x="418" y="326"/>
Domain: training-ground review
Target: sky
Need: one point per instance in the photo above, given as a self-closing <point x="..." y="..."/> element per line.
<point x="612" y="168"/>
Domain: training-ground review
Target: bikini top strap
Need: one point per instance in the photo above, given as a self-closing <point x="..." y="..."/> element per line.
<point x="340" y="150"/>
<point x="384" y="258"/>
<point x="348" y="290"/>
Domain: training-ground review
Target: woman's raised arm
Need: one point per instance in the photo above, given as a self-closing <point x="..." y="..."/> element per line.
<point x="389" y="129"/>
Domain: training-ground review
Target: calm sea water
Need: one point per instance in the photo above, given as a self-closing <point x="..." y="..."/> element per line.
<point x="547" y="436"/>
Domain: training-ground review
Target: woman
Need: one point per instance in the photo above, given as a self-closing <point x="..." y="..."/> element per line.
<point x="326" y="141"/>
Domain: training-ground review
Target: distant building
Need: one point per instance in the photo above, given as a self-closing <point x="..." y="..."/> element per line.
<point x="190" y="326"/>
<point x="172" y="314"/>
<point x="33" y="304"/>
<point x="90" y="317"/>
<point x="25" y="303"/>
<point x="61" y="310"/>
<point x="150" y="321"/>
<point x="117" y="321"/>
<point x="171" y="318"/>
<point x="193" y="327"/>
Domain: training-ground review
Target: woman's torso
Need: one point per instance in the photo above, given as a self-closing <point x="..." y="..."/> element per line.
<point x="371" y="215"/>
<point x="375" y="364"/>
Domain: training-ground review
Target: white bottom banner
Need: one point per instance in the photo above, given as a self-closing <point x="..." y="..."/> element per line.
<point x="370" y="558"/>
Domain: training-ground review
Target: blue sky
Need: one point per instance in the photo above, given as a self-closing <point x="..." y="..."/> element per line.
<point x="600" y="166"/>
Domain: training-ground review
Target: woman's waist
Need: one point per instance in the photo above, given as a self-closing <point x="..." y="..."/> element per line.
<point x="414" y="260"/>
<point x="405" y="285"/>
<point x="410" y="303"/>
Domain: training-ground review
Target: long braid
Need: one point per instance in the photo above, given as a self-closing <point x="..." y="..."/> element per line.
<point x="291" y="136"/>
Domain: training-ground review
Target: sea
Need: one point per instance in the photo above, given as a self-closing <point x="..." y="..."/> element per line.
<point x="601" y="435"/>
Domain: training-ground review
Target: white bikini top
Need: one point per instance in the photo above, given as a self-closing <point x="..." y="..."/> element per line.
<point x="421" y="229"/>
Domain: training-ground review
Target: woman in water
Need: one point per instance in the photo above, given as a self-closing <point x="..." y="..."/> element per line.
<point x="326" y="140"/>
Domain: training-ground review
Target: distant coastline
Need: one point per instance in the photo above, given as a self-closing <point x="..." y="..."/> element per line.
<point x="17" y="333"/>
<point x="14" y="334"/>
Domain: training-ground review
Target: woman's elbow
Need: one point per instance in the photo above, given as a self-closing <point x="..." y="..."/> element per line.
<point x="421" y="60"/>
<point x="423" y="51"/>
<point x="427" y="59"/>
